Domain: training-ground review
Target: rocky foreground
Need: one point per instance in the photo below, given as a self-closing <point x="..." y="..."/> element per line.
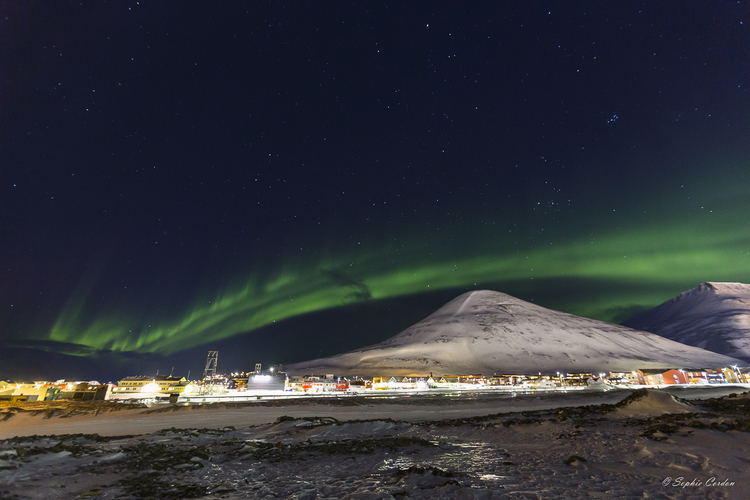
<point x="648" y="445"/>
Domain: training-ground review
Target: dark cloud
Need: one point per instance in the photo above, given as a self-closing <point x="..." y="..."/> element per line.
<point x="620" y="315"/>
<point x="48" y="360"/>
<point x="361" y="291"/>
<point x="68" y="348"/>
<point x="361" y="295"/>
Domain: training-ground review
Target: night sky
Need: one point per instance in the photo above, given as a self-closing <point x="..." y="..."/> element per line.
<point x="299" y="179"/>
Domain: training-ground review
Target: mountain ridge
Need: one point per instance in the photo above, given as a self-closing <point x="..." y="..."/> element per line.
<point x="713" y="316"/>
<point x="489" y="332"/>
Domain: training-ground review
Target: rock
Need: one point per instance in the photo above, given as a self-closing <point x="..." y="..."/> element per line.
<point x="573" y="459"/>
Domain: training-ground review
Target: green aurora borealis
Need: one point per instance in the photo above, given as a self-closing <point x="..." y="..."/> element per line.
<point x="677" y="253"/>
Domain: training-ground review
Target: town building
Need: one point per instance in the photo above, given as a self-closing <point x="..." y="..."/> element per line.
<point x="650" y="377"/>
<point x="575" y="379"/>
<point x="315" y="384"/>
<point x="624" y="378"/>
<point x="155" y="386"/>
<point x="84" y="391"/>
<point x="18" y="392"/>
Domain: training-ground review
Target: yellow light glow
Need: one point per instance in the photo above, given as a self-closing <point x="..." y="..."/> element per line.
<point x="152" y="387"/>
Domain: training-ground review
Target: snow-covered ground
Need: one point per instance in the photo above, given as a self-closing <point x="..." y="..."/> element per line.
<point x="422" y="447"/>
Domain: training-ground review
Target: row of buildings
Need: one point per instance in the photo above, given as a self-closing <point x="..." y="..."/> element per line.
<point x="171" y="388"/>
<point x="128" y="388"/>
<point x="727" y="375"/>
<point x="648" y="377"/>
<point x="52" y="391"/>
<point x="329" y="383"/>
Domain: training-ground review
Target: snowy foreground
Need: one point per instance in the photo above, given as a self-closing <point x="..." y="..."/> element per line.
<point x="614" y="444"/>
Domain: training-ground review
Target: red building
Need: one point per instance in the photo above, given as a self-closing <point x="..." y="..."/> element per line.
<point x="673" y="377"/>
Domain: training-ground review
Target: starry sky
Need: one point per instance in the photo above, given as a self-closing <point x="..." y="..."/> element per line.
<point x="298" y="179"/>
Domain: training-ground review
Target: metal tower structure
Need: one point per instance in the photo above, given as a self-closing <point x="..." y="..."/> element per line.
<point x="211" y="361"/>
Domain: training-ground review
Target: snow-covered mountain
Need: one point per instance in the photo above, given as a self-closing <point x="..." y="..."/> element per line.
<point x="713" y="316"/>
<point x="490" y="332"/>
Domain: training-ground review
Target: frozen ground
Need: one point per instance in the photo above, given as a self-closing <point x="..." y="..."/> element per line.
<point x="653" y="446"/>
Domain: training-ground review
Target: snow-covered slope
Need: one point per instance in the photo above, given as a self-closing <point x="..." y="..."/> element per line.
<point x="713" y="316"/>
<point x="490" y="332"/>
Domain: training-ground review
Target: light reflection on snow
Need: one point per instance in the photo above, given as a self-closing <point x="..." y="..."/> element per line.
<point x="478" y="460"/>
<point x="492" y="477"/>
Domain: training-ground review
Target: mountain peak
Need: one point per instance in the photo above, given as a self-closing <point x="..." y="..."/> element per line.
<point x="713" y="315"/>
<point x="478" y="299"/>
<point x="728" y="287"/>
<point x="719" y="287"/>
<point x="489" y="332"/>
